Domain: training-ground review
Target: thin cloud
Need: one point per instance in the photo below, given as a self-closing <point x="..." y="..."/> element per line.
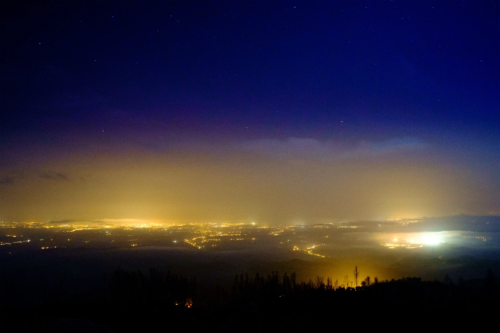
<point x="387" y="147"/>
<point x="57" y="176"/>
<point x="312" y="149"/>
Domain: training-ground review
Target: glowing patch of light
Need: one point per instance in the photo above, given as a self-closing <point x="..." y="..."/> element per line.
<point x="431" y="239"/>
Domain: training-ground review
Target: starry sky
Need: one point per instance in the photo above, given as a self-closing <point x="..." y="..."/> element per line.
<point x="268" y="111"/>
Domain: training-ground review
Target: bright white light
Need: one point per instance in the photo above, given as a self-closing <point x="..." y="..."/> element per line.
<point x="431" y="239"/>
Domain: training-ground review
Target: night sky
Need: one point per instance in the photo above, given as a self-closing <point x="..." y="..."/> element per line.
<point x="267" y="111"/>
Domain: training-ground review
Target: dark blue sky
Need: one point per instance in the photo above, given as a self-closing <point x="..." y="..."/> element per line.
<point x="293" y="66"/>
<point x="159" y="73"/>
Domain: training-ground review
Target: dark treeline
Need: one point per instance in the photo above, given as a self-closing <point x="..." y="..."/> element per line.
<point x="165" y="302"/>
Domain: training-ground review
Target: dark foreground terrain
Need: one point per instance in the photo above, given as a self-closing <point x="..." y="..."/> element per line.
<point x="164" y="302"/>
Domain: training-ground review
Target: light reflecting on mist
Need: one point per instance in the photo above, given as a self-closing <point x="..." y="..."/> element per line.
<point x="441" y="238"/>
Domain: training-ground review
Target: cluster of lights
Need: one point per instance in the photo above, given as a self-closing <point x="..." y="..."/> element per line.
<point x="16" y="242"/>
<point x="309" y="251"/>
<point x="426" y="239"/>
<point x="477" y="237"/>
<point x="214" y="233"/>
<point x="406" y="246"/>
<point x="277" y="232"/>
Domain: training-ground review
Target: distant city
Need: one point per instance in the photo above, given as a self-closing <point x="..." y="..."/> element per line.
<point x="309" y="239"/>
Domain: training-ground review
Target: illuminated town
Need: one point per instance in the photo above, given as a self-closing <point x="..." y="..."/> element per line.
<point x="306" y="239"/>
<point x="142" y="263"/>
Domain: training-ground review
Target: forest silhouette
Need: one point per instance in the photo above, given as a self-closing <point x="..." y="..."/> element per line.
<point x="160" y="301"/>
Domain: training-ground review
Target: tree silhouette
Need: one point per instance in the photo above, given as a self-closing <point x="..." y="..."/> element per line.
<point x="356" y="273"/>
<point x="319" y="282"/>
<point x="367" y="281"/>
<point x="328" y="283"/>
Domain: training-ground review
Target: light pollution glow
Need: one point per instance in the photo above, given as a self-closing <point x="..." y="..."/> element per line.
<point x="335" y="248"/>
<point x="309" y="182"/>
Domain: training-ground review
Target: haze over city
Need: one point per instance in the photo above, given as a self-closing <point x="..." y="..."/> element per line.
<point x="243" y="111"/>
